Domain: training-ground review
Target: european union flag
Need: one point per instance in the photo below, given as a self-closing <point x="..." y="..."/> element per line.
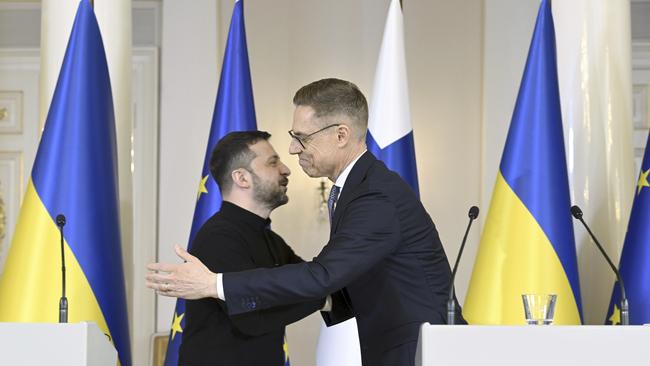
<point x="635" y="259"/>
<point x="75" y="173"/>
<point x="234" y="110"/>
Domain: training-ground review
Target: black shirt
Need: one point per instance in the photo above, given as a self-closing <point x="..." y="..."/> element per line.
<point x="232" y="240"/>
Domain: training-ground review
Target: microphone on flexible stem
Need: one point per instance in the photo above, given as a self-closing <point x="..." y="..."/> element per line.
<point x="625" y="311"/>
<point x="63" y="303"/>
<point x="451" y="302"/>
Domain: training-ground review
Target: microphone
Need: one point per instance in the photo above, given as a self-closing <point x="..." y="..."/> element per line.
<point x="625" y="311"/>
<point x="63" y="303"/>
<point x="451" y="302"/>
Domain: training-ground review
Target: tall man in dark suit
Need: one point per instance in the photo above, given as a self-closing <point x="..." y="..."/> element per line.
<point x="384" y="251"/>
<point x="253" y="182"/>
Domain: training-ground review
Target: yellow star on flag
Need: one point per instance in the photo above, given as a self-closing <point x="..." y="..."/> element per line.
<point x="616" y="316"/>
<point x="202" y="188"/>
<point x="643" y="181"/>
<point x="285" y="348"/>
<point x="176" y="324"/>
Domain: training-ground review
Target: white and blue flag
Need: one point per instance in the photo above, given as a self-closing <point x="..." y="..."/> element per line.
<point x="390" y="135"/>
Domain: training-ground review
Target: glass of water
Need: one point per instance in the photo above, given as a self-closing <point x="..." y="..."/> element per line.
<point x="539" y="309"/>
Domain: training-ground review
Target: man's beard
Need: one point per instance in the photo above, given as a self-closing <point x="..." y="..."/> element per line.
<point x="271" y="194"/>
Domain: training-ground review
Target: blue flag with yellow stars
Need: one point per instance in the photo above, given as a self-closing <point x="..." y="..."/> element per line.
<point x="234" y="110"/>
<point x="635" y="259"/>
<point x="74" y="174"/>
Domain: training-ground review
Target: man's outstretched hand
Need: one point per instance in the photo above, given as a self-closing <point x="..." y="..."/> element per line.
<point x="189" y="280"/>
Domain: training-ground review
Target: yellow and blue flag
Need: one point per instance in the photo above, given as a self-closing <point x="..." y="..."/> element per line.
<point x="527" y="244"/>
<point x="75" y="174"/>
<point x="234" y="110"/>
<point x="635" y="259"/>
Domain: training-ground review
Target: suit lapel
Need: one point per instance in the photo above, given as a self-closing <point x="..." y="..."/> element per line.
<point x="357" y="174"/>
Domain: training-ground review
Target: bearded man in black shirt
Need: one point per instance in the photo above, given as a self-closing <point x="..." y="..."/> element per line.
<point x="253" y="182"/>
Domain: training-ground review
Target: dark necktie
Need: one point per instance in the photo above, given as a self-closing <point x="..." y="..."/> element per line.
<point x="331" y="201"/>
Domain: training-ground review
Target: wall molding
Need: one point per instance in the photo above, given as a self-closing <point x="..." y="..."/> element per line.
<point x="144" y="167"/>
<point x="640" y="97"/>
<point x="641" y="54"/>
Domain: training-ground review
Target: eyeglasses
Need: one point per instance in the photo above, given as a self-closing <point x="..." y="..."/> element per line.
<point x="302" y="140"/>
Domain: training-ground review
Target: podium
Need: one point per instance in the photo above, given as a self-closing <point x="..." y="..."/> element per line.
<point x="532" y="345"/>
<point x="78" y="344"/>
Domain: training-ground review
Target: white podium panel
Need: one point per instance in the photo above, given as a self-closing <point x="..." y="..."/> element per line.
<point x="78" y="344"/>
<point x="533" y="345"/>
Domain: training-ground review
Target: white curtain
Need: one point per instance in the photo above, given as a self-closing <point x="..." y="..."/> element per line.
<point x="594" y="67"/>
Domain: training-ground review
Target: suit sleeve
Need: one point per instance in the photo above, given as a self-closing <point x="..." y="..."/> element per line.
<point x="341" y="308"/>
<point x="222" y="253"/>
<point x="368" y="233"/>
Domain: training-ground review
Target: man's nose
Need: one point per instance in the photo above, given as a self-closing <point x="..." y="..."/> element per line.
<point x="284" y="170"/>
<point x="294" y="147"/>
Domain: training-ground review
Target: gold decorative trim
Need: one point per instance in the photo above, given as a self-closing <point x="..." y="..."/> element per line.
<point x="11" y="112"/>
<point x="160" y="349"/>
<point x="323" y="189"/>
<point x="3" y="219"/>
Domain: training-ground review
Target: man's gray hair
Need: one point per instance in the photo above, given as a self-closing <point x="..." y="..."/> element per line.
<point x="333" y="98"/>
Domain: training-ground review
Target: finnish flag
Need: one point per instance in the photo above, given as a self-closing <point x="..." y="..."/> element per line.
<point x="390" y="135"/>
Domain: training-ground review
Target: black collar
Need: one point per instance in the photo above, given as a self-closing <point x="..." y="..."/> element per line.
<point x="229" y="209"/>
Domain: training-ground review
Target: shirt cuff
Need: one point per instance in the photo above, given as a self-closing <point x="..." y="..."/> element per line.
<point x="328" y="304"/>
<point x="220" y="293"/>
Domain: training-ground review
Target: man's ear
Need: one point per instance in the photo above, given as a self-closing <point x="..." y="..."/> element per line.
<point x="343" y="134"/>
<point x="241" y="178"/>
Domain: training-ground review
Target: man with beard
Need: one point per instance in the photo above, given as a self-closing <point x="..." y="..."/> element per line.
<point x="253" y="182"/>
<point x="384" y="252"/>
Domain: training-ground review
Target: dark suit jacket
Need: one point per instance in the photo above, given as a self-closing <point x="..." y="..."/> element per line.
<point x="233" y="240"/>
<point x="384" y="251"/>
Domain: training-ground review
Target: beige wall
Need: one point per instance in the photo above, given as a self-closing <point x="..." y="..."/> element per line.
<point x="186" y="103"/>
<point x="507" y="33"/>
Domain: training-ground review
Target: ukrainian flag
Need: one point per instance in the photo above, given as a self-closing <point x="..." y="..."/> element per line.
<point x="75" y="173"/>
<point x="527" y="244"/>
<point x="635" y="259"/>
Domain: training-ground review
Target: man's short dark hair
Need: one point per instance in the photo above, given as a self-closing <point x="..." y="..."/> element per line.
<point x="334" y="97"/>
<point x="232" y="152"/>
